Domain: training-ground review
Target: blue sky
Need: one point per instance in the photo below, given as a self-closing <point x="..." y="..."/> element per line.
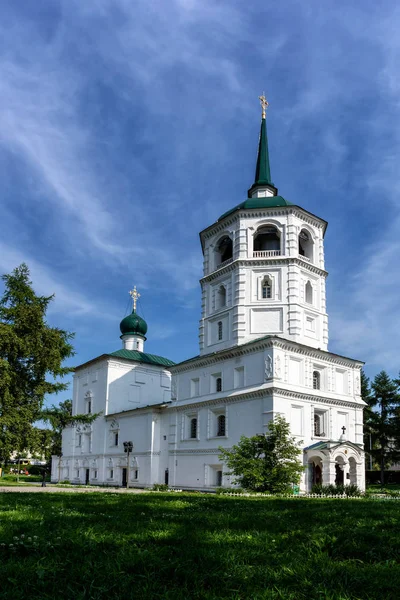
<point x="127" y="126"/>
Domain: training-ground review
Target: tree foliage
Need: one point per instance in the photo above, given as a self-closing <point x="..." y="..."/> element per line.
<point x="381" y="420"/>
<point x="31" y="360"/>
<point x="265" y="463"/>
<point x="59" y="417"/>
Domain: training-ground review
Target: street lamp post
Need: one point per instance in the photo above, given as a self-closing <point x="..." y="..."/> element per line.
<point x="128" y="447"/>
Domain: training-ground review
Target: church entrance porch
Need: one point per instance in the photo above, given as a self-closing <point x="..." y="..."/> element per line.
<point x="334" y="463"/>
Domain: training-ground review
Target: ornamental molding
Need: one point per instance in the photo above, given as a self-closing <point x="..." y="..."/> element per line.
<point x="260" y="393"/>
<point x="259" y="345"/>
<point x="265" y="262"/>
<point x="195" y="451"/>
<point x="313" y="399"/>
<point x="219" y="226"/>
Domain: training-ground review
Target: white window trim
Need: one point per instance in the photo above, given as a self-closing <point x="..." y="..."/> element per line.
<point x="186" y="427"/>
<point x="212" y="426"/>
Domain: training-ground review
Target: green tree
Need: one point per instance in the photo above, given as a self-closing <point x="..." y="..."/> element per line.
<point x="369" y="418"/>
<point x="384" y="403"/>
<point x="265" y="463"/>
<point x="31" y="360"/>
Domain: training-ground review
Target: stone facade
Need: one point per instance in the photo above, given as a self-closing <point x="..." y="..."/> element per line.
<point x="263" y="351"/>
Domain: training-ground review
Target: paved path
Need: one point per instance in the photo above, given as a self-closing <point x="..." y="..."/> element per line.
<point x="78" y="489"/>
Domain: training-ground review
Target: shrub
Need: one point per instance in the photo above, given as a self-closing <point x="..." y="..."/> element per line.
<point x="336" y="490"/>
<point x="160" y="487"/>
<point x="230" y="490"/>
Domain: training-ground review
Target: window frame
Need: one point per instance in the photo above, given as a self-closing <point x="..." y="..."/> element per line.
<point x="221" y="425"/>
<point x="193" y="428"/>
<point x="316" y="379"/>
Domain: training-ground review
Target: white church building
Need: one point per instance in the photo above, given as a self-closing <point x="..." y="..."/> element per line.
<point x="263" y="351"/>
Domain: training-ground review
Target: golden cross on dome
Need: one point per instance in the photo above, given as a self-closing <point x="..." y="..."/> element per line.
<point x="135" y="296"/>
<point x="264" y="104"/>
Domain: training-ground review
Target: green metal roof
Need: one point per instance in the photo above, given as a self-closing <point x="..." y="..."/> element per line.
<point x="267" y="202"/>
<point x="150" y="359"/>
<point x="263" y="171"/>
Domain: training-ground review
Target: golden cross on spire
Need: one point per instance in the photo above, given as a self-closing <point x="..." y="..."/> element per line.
<point x="264" y="104"/>
<point x="135" y="296"/>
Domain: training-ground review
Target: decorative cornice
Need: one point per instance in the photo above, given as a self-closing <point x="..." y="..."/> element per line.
<point x="261" y="344"/>
<point x="303" y="396"/>
<point x="265" y="262"/>
<point x="195" y="451"/>
<point x="260" y="393"/>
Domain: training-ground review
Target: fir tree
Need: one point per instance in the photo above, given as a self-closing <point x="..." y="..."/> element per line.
<point x="385" y="399"/>
<point x="266" y="463"/>
<point x="31" y="360"/>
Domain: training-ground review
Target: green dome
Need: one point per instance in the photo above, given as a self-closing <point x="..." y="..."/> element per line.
<point x="133" y="325"/>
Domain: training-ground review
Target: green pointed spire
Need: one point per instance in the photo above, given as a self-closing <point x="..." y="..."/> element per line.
<point x="263" y="171"/>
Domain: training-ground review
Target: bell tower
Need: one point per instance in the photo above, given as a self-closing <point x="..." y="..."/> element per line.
<point x="263" y="270"/>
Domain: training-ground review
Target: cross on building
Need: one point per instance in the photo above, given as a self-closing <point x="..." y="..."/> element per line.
<point x="264" y="104"/>
<point x="135" y="296"/>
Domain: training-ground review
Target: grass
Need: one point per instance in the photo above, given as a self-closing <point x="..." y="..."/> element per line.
<point x="7" y="480"/>
<point x="194" y="546"/>
<point x="388" y="487"/>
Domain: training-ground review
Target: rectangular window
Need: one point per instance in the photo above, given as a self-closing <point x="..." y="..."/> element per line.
<point x="321" y="423"/>
<point x="136" y="474"/>
<point x="116" y="438"/>
<point x="111" y="473"/>
<point x="310" y="324"/>
<point x="218" y="478"/>
<point x="90" y="442"/>
<point x="238" y="377"/>
<point x="296" y="418"/>
<point x="194" y="387"/>
<point x="89" y="407"/>
<point x="220" y="330"/>
<point x="95" y="475"/>
<point x="77" y="473"/>
<point x="79" y="442"/>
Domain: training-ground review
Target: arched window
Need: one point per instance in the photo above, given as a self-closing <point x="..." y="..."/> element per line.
<point x="316" y="380"/>
<point x="224" y="250"/>
<point x="267" y="241"/>
<point x="317" y="425"/>
<point x="193" y="428"/>
<point x="309" y="293"/>
<point x="306" y="245"/>
<point x="221" y="425"/>
<point x="221" y="297"/>
<point x="88" y="402"/>
<point x="220" y="331"/>
<point x="218" y="384"/>
<point x="267" y="288"/>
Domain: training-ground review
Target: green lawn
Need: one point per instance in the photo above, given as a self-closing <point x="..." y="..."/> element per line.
<point x="184" y="546"/>
<point x="7" y="480"/>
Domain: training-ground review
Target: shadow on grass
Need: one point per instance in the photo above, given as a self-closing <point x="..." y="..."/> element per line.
<point x="171" y="546"/>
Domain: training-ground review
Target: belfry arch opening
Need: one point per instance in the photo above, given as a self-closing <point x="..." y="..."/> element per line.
<point x="224" y="250"/>
<point x="306" y="245"/>
<point x="267" y="241"/>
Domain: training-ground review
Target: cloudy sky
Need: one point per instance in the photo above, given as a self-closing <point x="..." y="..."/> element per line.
<point x="127" y="126"/>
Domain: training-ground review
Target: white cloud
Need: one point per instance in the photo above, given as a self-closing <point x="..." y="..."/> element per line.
<point x="67" y="300"/>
